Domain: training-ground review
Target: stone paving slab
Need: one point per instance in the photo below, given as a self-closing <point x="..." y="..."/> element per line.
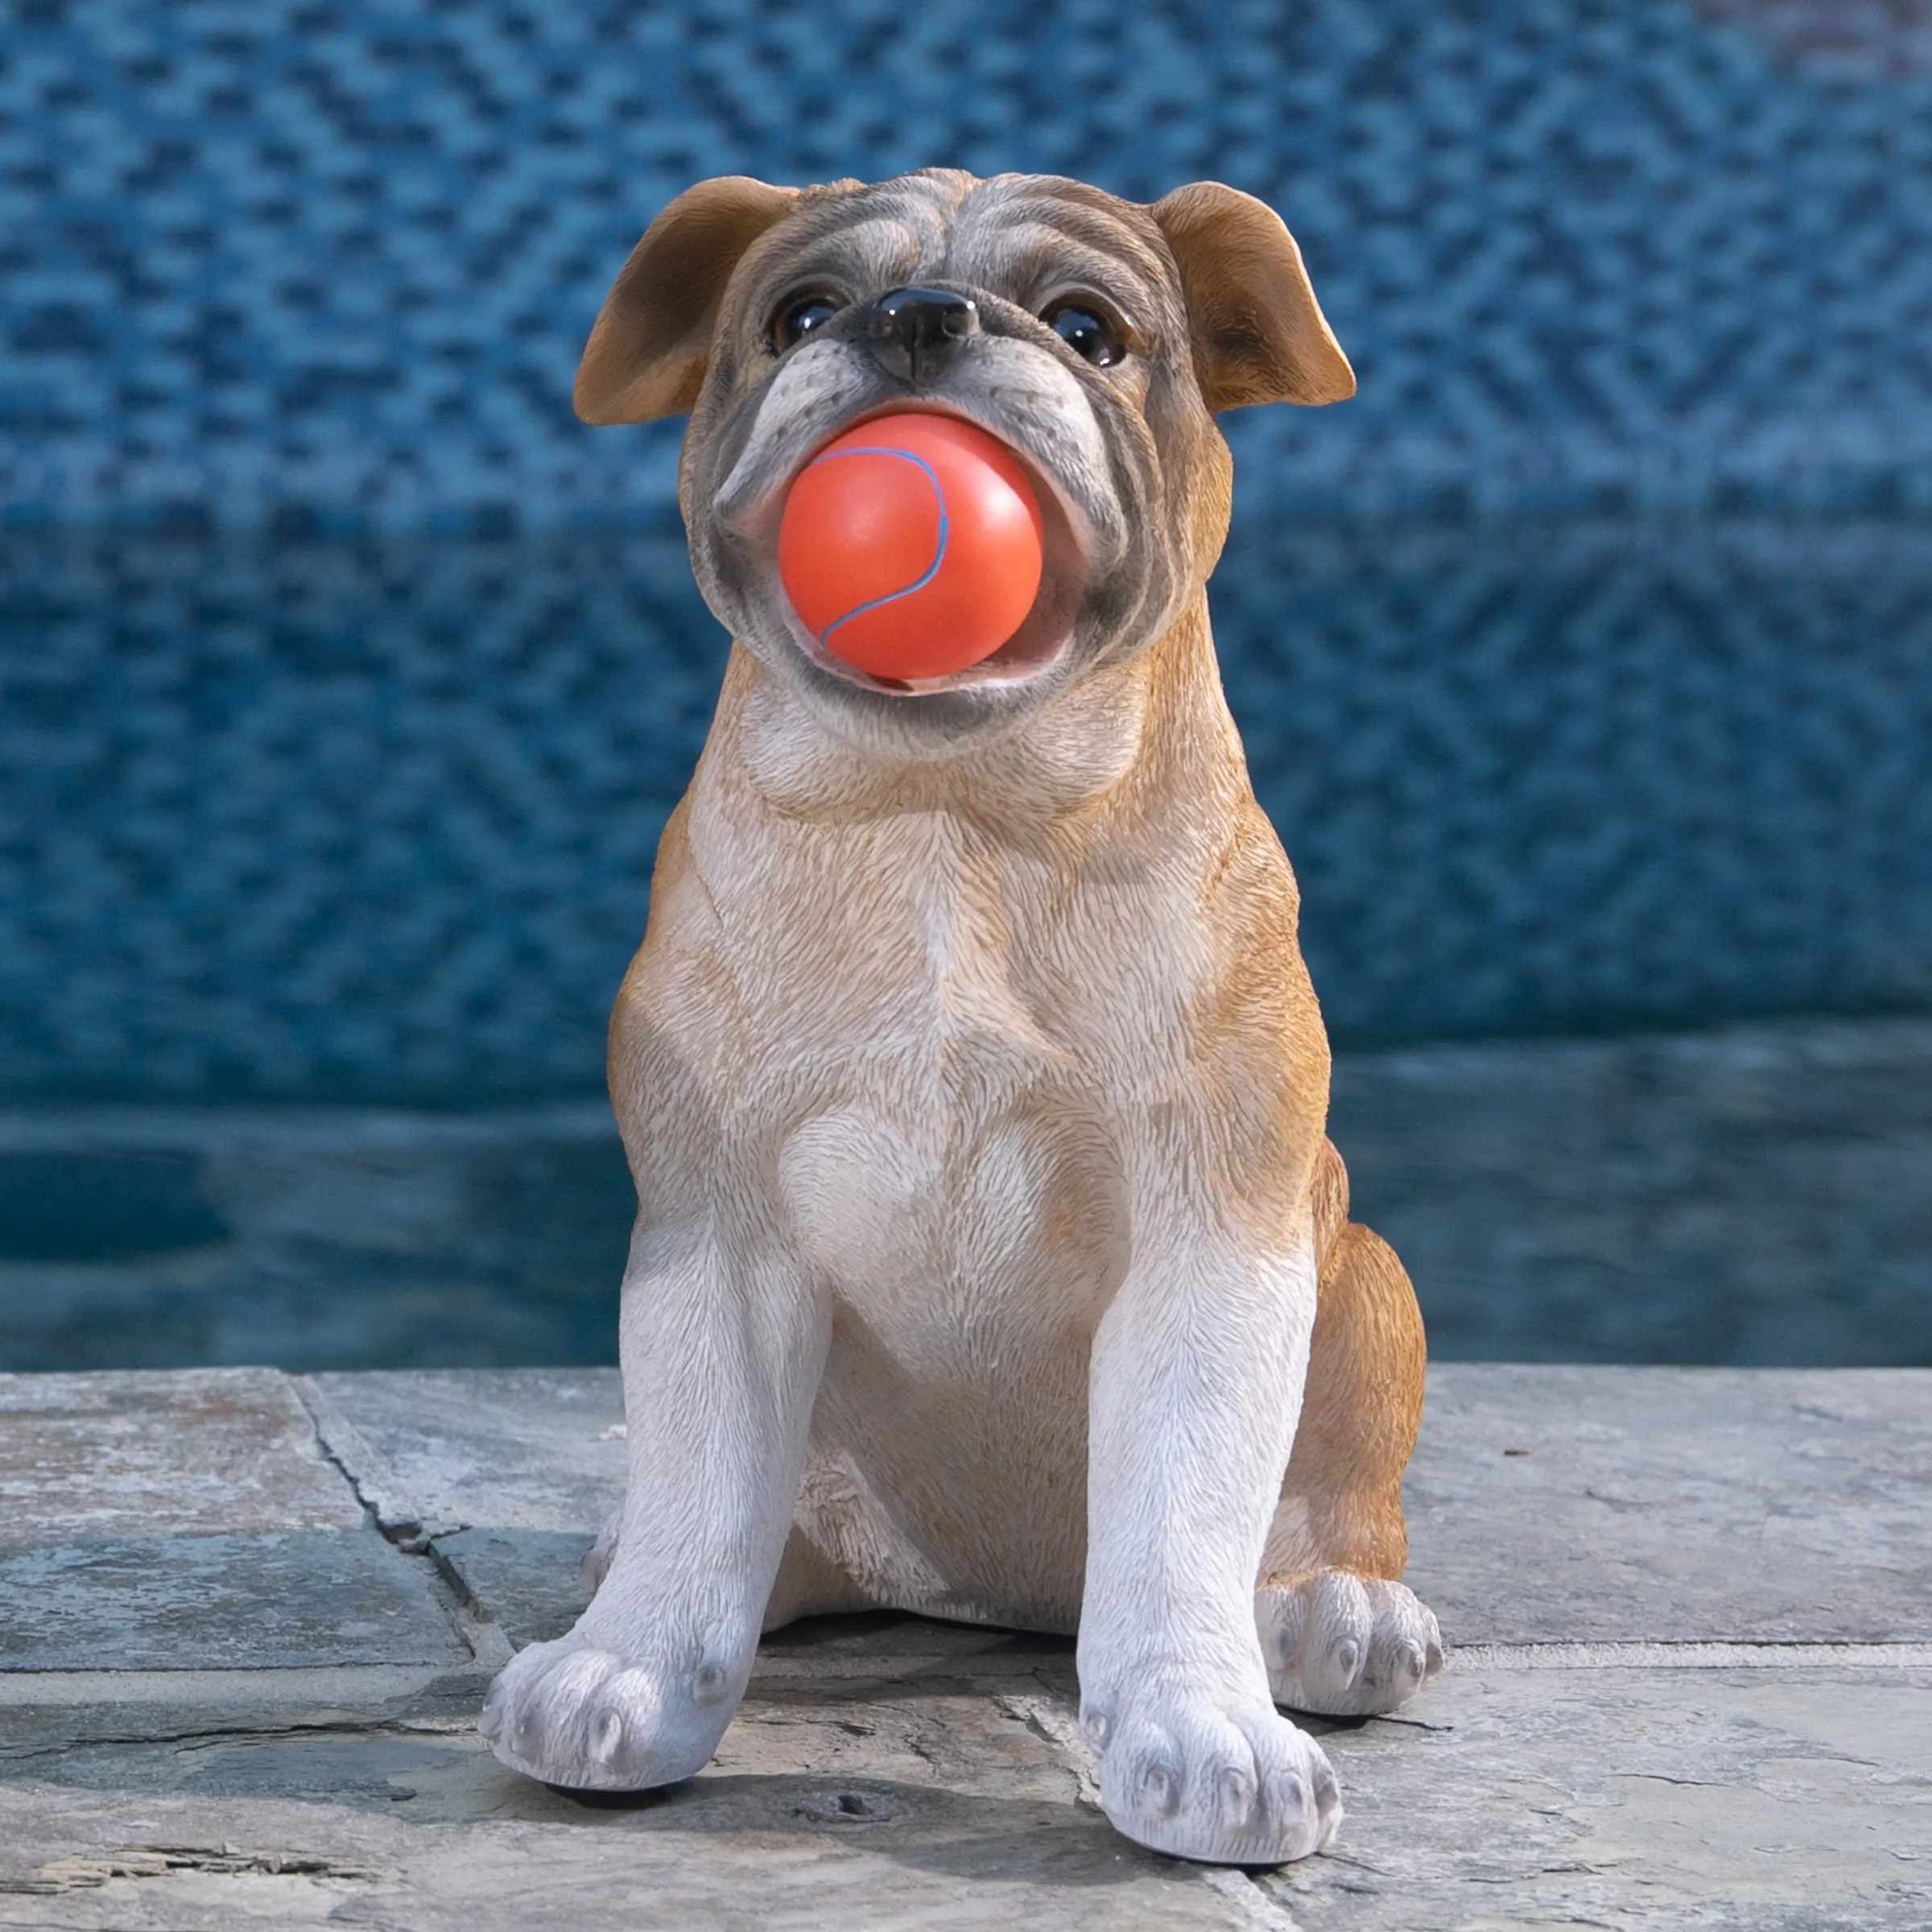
<point x="1674" y="1505"/>
<point x="277" y="1599"/>
<point x="510" y="1474"/>
<point x="730" y="1853"/>
<point x="867" y="1800"/>
<point x="1768" y="1769"/>
<point x="1742" y="1798"/>
<point x="507" y="1449"/>
<point x="220" y="1450"/>
<point x="526" y="1581"/>
<point x="170" y="1521"/>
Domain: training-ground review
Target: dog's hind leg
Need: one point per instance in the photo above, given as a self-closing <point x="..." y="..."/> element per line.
<point x="1341" y="1633"/>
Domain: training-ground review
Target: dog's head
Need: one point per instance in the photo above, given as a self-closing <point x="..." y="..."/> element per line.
<point x="1094" y="336"/>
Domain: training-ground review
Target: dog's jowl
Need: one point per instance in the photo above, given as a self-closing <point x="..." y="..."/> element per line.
<point x="990" y="1260"/>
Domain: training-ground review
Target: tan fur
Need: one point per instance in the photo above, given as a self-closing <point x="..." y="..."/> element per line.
<point x="1231" y="250"/>
<point x="1343" y="1493"/>
<point x="647" y="355"/>
<point x="1184" y="795"/>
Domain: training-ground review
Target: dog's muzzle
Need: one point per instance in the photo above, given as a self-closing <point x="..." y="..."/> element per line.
<point x="914" y="333"/>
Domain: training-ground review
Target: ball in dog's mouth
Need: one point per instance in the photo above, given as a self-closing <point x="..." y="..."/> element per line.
<point x="911" y="546"/>
<point x="920" y="552"/>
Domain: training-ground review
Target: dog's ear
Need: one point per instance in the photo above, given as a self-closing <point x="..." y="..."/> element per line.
<point x="1259" y="335"/>
<point x="646" y="355"/>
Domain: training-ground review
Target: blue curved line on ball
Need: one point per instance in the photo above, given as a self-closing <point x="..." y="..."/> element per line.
<point x="939" y="556"/>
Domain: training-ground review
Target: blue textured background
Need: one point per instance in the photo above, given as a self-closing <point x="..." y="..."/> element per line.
<point x="344" y="679"/>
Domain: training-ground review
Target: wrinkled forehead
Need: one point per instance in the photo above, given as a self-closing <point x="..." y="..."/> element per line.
<point x="1025" y="237"/>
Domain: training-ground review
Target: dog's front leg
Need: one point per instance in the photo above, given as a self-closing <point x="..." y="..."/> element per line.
<point x="1195" y="1387"/>
<point x="723" y="1344"/>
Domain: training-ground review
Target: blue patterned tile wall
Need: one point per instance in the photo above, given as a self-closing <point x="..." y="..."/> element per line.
<point x="346" y="678"/>
<point x="334" y="258"/>
<point x="374" y="819"/>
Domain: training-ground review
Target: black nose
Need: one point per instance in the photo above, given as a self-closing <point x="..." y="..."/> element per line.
<point x="916" y="332"/>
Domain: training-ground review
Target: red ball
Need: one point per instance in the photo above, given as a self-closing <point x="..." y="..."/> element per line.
<point x="910" y="546"/>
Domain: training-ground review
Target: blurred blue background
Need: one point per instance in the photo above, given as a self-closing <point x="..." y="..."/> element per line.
<point x="1584" y="659"/>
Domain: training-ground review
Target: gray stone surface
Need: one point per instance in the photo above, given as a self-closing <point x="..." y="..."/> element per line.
<point x="733" y="1852"/>
<point x="514" y="1449"/>
<point x="192" y="1522"/>
<point x="1737" y="1797"/>
<point x="1766" y="1768"/>
<point x="279" y="1598"/>
<point x="1745" y="1797"/>
<point x="1674" y="1505"/>
<point x="228" y="1450"/>
<point x="526" y="1579"/>
<point x="1547" y="1505"/>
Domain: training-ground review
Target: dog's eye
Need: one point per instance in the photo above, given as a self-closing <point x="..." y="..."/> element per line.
<point x="797" y="319"/>
<point x="1087" y="329"/>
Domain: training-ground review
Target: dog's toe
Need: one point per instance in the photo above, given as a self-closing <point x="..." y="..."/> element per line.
<point x="1237" y="1786"/>
<point x="1346" y="1645"/>
<point x="582" y="1718"/>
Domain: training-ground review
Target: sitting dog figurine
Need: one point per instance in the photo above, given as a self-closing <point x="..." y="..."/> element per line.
<point x="990" y="1260"/>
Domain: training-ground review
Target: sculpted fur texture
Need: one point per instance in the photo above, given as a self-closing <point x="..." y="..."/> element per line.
<point x="990" y="1260"/>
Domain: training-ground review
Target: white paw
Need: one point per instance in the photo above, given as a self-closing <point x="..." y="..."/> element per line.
<point x="1230" y="1785"/>
<point x="584" y="1719"/>
<point x="1346" y="1645"/>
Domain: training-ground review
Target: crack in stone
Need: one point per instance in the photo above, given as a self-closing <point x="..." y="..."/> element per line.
<point x="378" y="1489"/>
<point x="1663" y="1777"/>
<point x="83" y="1873"/>
<point x="1047" y="1721"/>
<point x="367" y="1472"/>
<point x="1259" y="1908"/>
<point x="241" y="1734"/>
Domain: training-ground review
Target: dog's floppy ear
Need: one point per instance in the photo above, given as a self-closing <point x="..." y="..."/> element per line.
<point x="645" y="356"/>
<point x="1258" y="335"/>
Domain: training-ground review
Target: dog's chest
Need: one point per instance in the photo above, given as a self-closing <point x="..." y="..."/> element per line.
<point x="949" y="1140"/>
